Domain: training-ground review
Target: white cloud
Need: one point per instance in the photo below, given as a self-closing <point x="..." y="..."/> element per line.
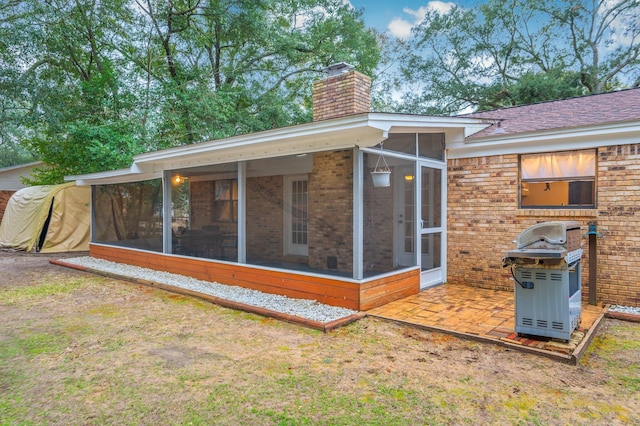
<point x="440" y="6"/>
<point x="623" y="30"/>
<point x="401" y="28"/>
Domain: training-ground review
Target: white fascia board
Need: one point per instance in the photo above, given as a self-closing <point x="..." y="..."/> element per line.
<point x="545" y="141"/>
<point x="363" y="130"/>
<point x="404" y="123"/>
<point x="111" y="177"/>
<point x="22" y="166"/>
<point x="319" y="136"/>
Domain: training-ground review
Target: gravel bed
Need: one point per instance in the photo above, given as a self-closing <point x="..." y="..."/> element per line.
<point x="625" y="309"/>
<point x="309" y="309"/>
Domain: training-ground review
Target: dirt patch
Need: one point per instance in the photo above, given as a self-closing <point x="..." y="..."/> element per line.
<point x="76" y="348"/>
<point x="20" y="268"/>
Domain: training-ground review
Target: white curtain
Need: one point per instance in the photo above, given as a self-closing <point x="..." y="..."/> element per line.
<point x="559" y="165"/>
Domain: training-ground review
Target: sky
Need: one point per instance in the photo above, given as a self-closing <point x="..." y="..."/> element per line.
<point x="398" y="16"/>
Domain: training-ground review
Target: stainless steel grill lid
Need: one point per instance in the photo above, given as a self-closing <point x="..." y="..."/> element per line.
<point x="546" y="233"/>
<point x="547" y="240"/>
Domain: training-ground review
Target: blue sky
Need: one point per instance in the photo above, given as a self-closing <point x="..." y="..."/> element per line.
<point x="397" y="16"/>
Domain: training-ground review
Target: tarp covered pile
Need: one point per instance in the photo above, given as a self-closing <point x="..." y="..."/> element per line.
<point x="48" y="219"/>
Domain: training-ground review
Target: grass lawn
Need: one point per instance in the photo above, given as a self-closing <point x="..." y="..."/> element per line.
<point x="82" y="349"/>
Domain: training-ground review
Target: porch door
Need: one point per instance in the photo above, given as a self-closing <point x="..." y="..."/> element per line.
<point x="405" y="214"/>
<point x="431" y="230"/>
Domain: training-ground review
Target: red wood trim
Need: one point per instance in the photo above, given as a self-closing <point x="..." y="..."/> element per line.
<point x="384" y="290"/>
<point x="330" y="291"/>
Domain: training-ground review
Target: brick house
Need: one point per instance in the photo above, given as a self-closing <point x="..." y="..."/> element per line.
<point x="295" y="211"/>
<point x="574" y="159"/>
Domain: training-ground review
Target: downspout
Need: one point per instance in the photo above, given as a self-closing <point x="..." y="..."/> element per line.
<point x="593" y="264"/>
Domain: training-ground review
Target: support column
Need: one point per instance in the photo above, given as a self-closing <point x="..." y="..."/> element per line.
<point x="167" y="237"/>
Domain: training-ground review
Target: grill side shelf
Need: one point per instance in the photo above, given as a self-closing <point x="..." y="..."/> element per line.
<point x="537" y="254"/>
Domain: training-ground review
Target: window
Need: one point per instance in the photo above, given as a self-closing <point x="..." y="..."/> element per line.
<point x="225" y="203"/>
<point x="564" y="179"/>
<point x="429" y="145"/>
<point x="296" y="215"/>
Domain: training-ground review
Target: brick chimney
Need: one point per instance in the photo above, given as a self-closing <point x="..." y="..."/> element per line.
<point x="344" y="91"/>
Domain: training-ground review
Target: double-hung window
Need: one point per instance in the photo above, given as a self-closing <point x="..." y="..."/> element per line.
<point x="225" y="206"/>
<point x="558" y="180"/>
<point x="296" y="218"/>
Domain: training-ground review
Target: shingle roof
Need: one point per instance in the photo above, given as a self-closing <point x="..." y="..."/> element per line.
<point x="623" y="105"/>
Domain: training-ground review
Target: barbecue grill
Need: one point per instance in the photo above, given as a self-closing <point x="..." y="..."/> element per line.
<point x="548" y="290"/>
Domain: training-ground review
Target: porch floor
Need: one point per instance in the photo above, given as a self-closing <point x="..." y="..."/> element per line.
<point x="485" y="315"/>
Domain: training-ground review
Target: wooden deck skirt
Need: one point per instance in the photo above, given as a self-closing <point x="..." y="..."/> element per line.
<point x="358" y="295"/>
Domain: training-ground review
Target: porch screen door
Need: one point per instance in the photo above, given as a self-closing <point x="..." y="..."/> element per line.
<point x="431" y="224"/>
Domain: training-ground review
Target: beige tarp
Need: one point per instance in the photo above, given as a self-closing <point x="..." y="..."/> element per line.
<point x="60" y="211"/>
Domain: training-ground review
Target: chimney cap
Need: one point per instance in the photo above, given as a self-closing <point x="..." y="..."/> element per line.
<point x="337" y="69"/>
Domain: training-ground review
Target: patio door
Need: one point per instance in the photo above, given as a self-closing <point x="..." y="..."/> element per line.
<point x="405" y="214"/>
<point x="431" y="230"/>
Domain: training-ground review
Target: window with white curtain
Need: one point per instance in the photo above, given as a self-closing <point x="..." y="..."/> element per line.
<point x="559" y="179"/>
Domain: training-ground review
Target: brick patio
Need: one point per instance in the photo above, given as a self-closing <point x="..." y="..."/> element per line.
<point x="485" y="315"/>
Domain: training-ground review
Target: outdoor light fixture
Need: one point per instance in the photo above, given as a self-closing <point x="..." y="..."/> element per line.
<point x="408" y="177"/>
<point x="177" y="179"/>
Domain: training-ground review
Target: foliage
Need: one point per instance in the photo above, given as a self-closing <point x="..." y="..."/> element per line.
<point x="87" y="84"/>
<point x="90" y="83"/>
<point x="505" y="53"/>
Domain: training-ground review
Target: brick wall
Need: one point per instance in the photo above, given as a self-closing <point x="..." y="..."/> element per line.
<point x="201" y="203"/>
<point x="4" y="199"/>
<point x="484" y="219"/>
<point x="264" y="218"/>
<point x="341" y="95"/>
<point x="331" y="210"/>
<point x="379" y="224"/>
<point x="619" y="220"/>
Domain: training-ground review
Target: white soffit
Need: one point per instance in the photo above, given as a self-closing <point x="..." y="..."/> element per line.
<point x="111" y="177"/>
<point x="362" y="130"/>
<point x="545" y="141"/>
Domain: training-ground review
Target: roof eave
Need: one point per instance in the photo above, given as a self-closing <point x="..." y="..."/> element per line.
<point x="552" y="139"/>
<point x="111" y="177"/>
<point x="362" y="130"/>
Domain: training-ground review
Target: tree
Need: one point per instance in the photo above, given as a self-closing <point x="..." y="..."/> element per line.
<point x="218" y="68"/>
<point x="11" y="107"/>
<point x="505" y="53"/>
<point x="604" y="40"/>
<point x="93" y="82"/>
<point x="76" y="111"/>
